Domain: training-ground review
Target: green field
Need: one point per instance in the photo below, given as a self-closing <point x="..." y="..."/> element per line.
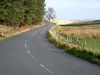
<point x="80" y="40"/>
<point x="89" y="41"/>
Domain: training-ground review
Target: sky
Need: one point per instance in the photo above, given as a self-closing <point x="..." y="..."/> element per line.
<point x="75" y="9"/>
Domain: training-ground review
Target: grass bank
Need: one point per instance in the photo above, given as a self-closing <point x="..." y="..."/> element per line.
<point x="8" y="31"/>
<point x="82" y="40"/>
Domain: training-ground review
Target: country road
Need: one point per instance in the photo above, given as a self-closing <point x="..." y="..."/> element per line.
<point x="30" y="53"/>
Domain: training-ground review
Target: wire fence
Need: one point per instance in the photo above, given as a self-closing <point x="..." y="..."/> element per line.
<point x="81" y="43"/>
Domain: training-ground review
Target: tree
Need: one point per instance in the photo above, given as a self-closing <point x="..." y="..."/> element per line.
<point x="29" y="12"/>
<point x="50" y="14"/>
<point x="34" y="10"/>
<point x="15" y="12"/>
<point x="11" y="11"/>
<point x="40" y="9"/>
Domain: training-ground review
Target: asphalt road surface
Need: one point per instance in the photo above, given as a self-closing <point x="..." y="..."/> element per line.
<point x="30" y="53"/>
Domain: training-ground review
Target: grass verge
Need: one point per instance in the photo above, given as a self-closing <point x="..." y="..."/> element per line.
<point x="83" y="54"/>
<point x="7" y="31"/>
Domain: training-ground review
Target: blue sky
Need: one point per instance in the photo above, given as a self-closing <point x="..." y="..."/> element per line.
<point x="75" y="9"/>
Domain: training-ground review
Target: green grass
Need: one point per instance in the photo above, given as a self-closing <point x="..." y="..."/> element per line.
<point x="89" y="47"/>
<point x="92" y="44"/>
<point x="86" y="23"/>
<point x="1" y="38"/>
<point x="93" y="22"/>
<point x="83" y="54"/>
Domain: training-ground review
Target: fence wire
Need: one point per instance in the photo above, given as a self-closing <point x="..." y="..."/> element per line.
<point x="81" y="43"/>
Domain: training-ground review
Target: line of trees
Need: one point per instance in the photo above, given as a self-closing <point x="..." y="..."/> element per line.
<point x="17" y="12"/>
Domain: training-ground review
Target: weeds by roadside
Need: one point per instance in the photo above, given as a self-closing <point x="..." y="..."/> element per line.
<point x="8" y="31"/>
<point x="83" y="54"/>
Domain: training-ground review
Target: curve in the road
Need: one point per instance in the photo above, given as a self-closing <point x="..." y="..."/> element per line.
<point x="30" y="53"/>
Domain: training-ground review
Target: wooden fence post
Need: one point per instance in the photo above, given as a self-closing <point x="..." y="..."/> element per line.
<point x="93" y="46"/>
<point x="85" y="43"/>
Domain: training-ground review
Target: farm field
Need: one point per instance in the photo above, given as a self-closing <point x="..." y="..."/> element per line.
<point x="81" y="39"/>
<point x="83" y="36"/>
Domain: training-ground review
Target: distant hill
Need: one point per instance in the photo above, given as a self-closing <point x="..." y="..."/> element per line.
<point x="62" y="22"/>
<point x="93" y="22"/>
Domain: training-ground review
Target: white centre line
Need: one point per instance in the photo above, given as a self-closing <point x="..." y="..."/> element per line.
<point x="31" y="55"/>
<point x="42" y="65"/>
<point x="26" y="41"/>
<point x="25" y="45"/>
<point x="46" y="68"/>
<point x="50" y="72"/>
<point x="28" y="52"/>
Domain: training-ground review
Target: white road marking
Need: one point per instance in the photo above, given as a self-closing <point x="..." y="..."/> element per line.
<point x="28" y="50"/>
<point x="50" y="72"/>
<point x="42" y="65"/>
<point x="25" y="45"/>
<point x="26" y="41"/>
<point x="46" y="68"/>
<point x="30" y="54"/>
